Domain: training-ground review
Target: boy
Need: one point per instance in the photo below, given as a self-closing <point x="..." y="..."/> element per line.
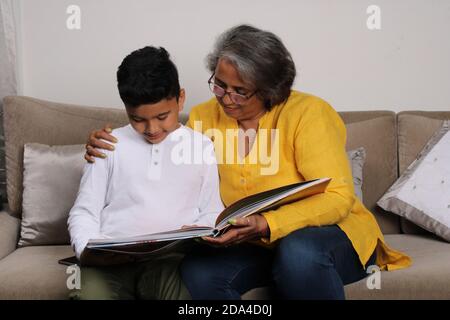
<point x="141" y="187"/>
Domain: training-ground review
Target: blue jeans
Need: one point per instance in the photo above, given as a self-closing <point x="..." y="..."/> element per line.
<point x="310" y="263"/>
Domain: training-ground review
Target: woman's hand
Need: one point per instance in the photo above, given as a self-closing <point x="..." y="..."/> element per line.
<point x="95" y="143"/>
<point x="243" y="229"/>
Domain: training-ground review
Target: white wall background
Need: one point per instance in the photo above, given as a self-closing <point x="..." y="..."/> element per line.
<point x="403" y="66"/>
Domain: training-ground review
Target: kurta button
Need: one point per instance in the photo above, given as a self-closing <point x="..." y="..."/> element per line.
<point x="242" y="180"/>
<point x="156" y="163"/>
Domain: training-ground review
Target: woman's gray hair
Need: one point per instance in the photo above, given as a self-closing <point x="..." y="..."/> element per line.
<point x="261" y="60"/>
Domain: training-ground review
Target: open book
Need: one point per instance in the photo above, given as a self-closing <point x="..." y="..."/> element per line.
<point x="151" y="244"/>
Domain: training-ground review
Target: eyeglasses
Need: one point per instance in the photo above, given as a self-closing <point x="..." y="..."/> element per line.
<point x="220" y="92"/>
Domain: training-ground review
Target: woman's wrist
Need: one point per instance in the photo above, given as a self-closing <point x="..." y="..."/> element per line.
<point x="264" y="227"/>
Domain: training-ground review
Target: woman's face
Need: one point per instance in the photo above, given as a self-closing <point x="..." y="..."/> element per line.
<point x="227" y="76"/>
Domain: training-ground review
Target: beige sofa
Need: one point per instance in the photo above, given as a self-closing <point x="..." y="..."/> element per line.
<point x="391" y="141"/>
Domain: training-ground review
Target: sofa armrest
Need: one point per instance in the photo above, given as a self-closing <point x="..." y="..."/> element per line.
<point x="9" y="232"/>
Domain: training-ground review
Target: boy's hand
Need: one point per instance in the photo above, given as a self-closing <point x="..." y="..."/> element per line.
<point x="243" y="229"/>
<point x="95" y="143"/>
<point x="104" y="258"/>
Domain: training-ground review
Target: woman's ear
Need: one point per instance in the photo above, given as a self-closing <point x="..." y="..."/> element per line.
<point x="181" y="100"/>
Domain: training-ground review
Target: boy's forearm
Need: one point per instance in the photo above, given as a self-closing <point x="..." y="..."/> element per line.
<point x="82" y="228"/>
<point x="84" y="217"/>
<point x="79" y="246"/>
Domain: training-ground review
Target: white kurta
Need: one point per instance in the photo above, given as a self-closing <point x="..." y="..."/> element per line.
<point x="144" y="188"/>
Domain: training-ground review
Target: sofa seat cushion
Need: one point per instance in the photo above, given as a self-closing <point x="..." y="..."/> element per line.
<point x="34" y="273"/>
<point x="427" y="278"/>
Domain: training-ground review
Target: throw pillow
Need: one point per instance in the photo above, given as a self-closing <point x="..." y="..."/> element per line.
<point x="357" y="158"/>
<point x="421" y="194"/>
<point x="51" y="181"/>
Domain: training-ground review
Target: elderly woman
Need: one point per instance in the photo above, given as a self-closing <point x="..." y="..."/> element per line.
<point x="306" y="249"/>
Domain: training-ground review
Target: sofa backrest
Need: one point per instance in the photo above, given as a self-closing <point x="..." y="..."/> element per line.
<point x="415" y="128"/>
<point x="33" y="120"/>
<point x="376" y="132"/>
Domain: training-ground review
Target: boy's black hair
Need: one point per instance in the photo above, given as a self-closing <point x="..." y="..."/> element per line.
<point x="147" y="76"/>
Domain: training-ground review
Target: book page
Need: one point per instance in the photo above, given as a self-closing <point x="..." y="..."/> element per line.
<point x="271" y="199"/>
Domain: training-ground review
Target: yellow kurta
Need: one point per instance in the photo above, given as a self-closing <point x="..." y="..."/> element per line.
<point x="311" y="144"/>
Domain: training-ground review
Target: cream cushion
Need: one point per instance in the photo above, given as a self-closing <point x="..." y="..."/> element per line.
<point x="421" y="194"/>
<point x="52" y="176"/>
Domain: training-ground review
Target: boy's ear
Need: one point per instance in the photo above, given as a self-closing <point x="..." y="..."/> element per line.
<point x="181" y="99"/>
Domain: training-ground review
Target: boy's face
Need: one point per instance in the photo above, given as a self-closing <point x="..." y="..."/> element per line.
<point x="155" y="121"/>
